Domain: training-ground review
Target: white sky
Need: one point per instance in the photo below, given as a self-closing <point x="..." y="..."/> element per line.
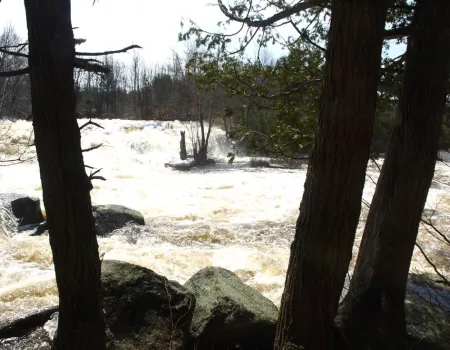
<point x="114" y="24"/>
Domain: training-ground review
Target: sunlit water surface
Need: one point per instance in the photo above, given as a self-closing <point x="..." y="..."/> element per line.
<point x="233" y="216"/>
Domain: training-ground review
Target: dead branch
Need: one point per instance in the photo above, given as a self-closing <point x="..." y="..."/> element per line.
<point x="443" y="278"/>
<point x="397" y="33"/>
<point x="90" y="122"/>
<point x="13" y="53"/>
<point x="92" y="148"/>
<point x="287" y="12"/>
<point x="87" y="65"/>
<point x="93" y="175"/>
<point x="18" y="46"/>
<point x="97" y="178"/>
<point x="429" y="223"/>
<point x="105" y="53"/>
<point x="15" y="73"/>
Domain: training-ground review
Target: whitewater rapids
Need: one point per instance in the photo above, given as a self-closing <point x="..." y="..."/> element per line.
<point x="233" y="216"/>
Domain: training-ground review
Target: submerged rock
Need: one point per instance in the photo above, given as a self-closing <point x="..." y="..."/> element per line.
<point x="229" y="313"/>
<point x="182" y="166"/>
<point x="112" y="217"/>
<point x="143" y="309"/>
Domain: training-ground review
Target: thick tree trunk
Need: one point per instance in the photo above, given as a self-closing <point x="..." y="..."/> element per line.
<point x="372" y="314"/>
<point x="65" y="184"/>
<point x="331" y="204"/>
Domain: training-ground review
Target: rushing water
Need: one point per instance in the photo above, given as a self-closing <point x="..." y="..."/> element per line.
<point x="233" y="216"/>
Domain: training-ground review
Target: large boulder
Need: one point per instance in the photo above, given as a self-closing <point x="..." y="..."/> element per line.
<point x="112" y="217"/>
<point x="143" y="309"/>
<point x="107" y="219"/>
<point x="26" y="209"/>
<point x="229" y="313"/>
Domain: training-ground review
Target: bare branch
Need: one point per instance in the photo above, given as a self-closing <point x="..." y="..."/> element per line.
<point x="15" y="73"/>
<point x="90" y="122"/>
<point x="287" y="12"/>
<point x="104" y="53"/>
<point x="97" y="178"/>
<point x="13" y="53"/>
<point x="18" y="46"/>
<point x="432" y="265"/>
<point x="92" y="148"/>
<point x="398" y="33"/>
<point x="89" y="66"/>
<point x="304" y="36"/>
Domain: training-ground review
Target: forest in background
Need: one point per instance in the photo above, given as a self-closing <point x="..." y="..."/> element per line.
<point x="256" y="101"/>
<point x="338" y="94"/>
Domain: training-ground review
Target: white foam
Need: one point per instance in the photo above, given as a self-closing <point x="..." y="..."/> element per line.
<point x="233" y="216"/>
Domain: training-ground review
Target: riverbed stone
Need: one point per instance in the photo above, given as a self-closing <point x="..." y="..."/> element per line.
<point x="112" y="217"/>
<point x="145" y="310"/>
<point x="26" y="209"/>
<point x="229" y="313"/>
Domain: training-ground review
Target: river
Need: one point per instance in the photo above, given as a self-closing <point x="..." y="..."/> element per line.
<point x="231" y="215"/>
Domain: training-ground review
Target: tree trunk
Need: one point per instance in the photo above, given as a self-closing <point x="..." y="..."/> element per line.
<point x="66" y="187"/>
<point x="373" y="313"/>
<point x="331" y="204"/>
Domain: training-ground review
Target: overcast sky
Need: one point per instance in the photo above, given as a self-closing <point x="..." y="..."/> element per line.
<point x="114" y="24"/>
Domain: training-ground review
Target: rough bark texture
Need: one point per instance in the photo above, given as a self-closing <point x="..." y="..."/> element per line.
<point x="372" y="314"/>
<point x="66" y="187"/>
<point x="331" y="204"/>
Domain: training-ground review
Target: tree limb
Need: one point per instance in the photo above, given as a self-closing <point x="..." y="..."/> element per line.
<point x="13" y="53"/>
<point x="89" y="66"/>
<point x="15" y="73"/>
<point x="304" y="36"/>
<point x="397" y="33"/>
<point x="287" y="12"/>
<point x="92" y="148"/>
<point x="90" y="122"/>
<point x="104" y="53"/>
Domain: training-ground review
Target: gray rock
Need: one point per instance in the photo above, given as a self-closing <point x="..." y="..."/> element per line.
<point x="107" y="219"/>
<point x="182" y="165"/>
<point x="112" y="217"/>
<point x="229" y="312"/>
<point x="26" y="209"/>
<point x="145" y="310"/>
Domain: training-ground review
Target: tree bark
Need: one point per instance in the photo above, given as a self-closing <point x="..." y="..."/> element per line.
<point x="331" y="203"/>
<point x="373" y="312"/>
<point x="66" y="187"/>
